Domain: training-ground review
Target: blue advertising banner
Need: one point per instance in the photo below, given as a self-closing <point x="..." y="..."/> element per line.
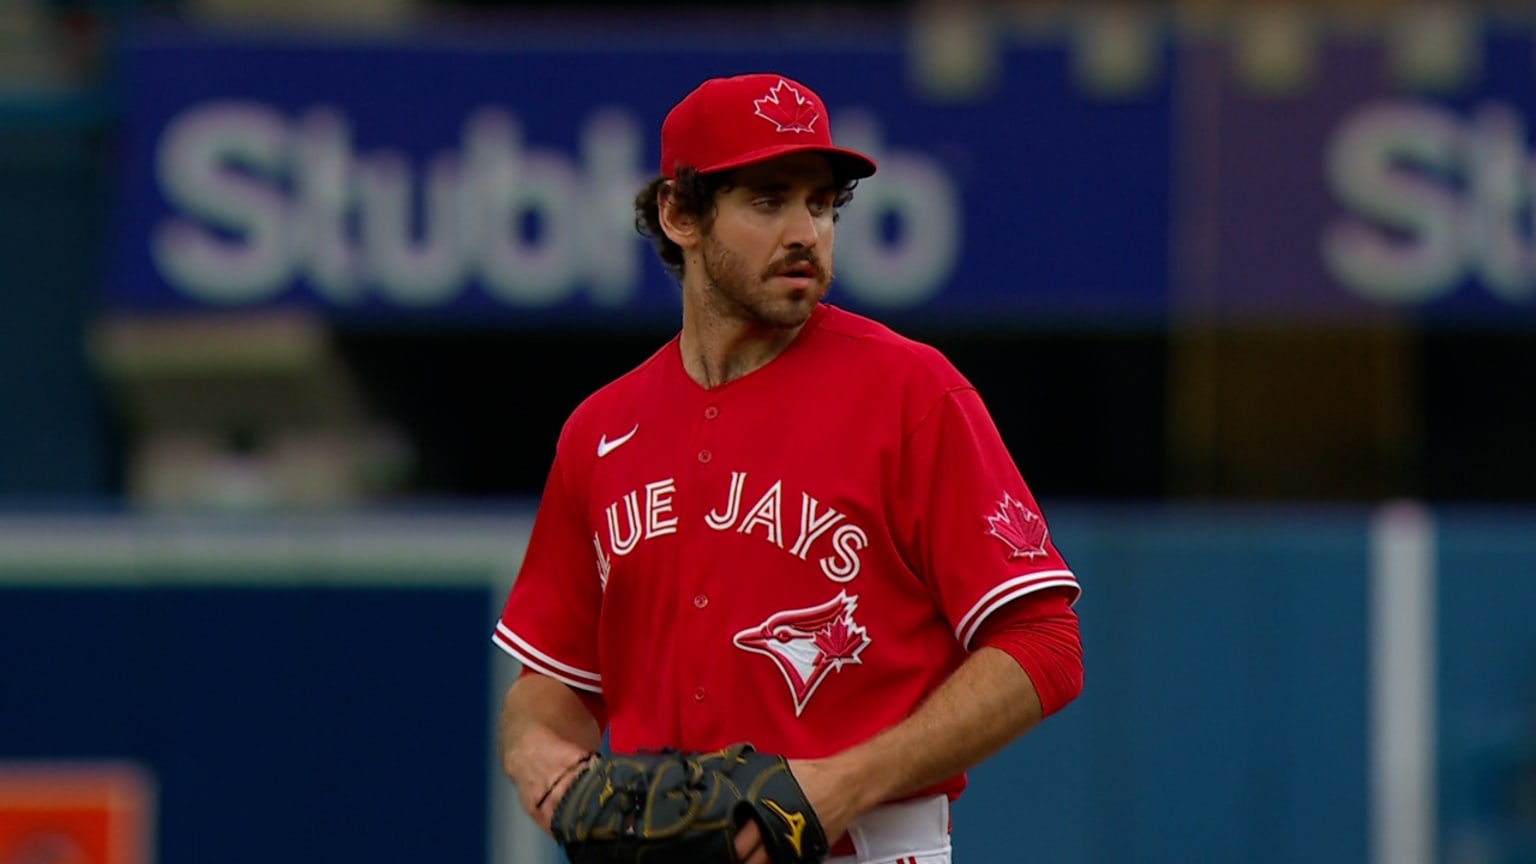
<point x="446" y="178"/>
<point x="1363" y="192"/>
<point x="450" y="179"/>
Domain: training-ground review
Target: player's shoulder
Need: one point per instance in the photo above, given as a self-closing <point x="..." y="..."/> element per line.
<point x="872" y="344"/>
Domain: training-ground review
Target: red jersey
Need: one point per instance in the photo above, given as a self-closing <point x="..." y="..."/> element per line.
<point x="795" y="558"/>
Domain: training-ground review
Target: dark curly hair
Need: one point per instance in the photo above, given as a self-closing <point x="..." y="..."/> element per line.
<point x="694" y="194"/>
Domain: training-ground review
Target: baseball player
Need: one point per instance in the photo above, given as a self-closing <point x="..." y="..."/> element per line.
<point x="790" y="526"/>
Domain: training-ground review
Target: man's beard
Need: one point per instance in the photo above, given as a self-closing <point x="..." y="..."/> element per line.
<point x="735" y="292"/>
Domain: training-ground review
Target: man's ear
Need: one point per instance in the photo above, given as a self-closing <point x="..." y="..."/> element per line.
<point x="680" y="228"/>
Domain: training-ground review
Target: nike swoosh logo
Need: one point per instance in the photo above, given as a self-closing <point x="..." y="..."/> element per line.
<point x="604" y="446"/>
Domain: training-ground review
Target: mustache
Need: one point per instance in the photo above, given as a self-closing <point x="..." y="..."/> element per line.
<point x="795" y="259"/>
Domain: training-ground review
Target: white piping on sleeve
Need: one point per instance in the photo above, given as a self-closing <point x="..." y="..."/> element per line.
<point x="1007" y="592"/>
<point x="530" y="656"/>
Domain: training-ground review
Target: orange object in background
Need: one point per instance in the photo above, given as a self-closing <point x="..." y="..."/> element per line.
<point x="73" y="813"/>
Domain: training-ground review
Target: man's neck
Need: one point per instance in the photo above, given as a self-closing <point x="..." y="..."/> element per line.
<point x="718" y="348"/>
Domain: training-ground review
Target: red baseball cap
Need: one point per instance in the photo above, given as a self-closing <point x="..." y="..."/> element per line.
<point x="730" y="122"/>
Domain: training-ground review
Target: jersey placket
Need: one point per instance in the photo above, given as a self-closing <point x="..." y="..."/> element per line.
<point x="699" y="609"/>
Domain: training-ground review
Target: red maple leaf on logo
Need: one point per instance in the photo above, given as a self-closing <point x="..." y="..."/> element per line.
<point x="787" y="110"/>
<point x="839" y="641"/>
<point x="1019" y="527"/>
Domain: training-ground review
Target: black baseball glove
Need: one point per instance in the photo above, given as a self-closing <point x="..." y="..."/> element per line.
<point x="671" y="807"/>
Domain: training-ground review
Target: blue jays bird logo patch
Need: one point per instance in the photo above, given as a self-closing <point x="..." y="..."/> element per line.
<point x="808" y="644"/>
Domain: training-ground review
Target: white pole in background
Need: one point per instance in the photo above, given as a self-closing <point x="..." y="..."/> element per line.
<point x="1403" y="692"/>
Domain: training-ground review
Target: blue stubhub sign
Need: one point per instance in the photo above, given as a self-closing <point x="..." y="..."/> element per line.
<point x="1364" y="193"/>
<point x="449" y="179"/>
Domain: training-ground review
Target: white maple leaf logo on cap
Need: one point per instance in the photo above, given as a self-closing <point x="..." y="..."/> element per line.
<point x="792" y="114"/>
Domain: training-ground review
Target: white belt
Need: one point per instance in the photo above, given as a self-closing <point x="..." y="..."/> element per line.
<point x="906" y="829"/>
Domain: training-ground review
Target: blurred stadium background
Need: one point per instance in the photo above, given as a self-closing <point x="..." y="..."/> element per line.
<point x="295" y="294"/>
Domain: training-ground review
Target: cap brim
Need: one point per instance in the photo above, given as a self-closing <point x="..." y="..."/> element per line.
<point x="850" y="163"/>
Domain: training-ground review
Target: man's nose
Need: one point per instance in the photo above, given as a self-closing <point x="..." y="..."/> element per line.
<point x="802" y="229"/>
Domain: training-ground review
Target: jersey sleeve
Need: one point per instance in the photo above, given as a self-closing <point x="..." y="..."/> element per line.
<point x="967" y="521"/>
<point x="550" y="620"/>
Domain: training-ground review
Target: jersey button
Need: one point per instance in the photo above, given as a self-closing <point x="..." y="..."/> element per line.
<point x="698" y="694"/>
<point x="700" y="601"/>
<point x="711" y="413"/>
<point x="705" y="456"/>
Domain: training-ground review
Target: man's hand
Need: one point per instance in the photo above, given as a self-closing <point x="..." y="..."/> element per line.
<point x="835" y="801"/>
<point x="544" y="736"/>
<point x="545" y="774"/>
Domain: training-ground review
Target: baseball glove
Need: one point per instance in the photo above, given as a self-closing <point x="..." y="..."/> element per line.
<point x="672" y="807"/>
